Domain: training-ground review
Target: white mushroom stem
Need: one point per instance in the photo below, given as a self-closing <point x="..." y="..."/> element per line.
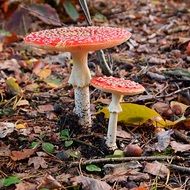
<point x="80" y="79"/>
<point x="114" y="109"/>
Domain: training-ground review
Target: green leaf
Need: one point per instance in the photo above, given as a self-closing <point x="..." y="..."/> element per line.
<point x="137" y="115"/>
<point x="11" y="180"/>
<point x="71" y="10"/>
<point x="68" y="143"/>
<point x="48" y="147"/>
<point x="93" y="168"/>
<point x="34" y="144"/>
<point x="74" y="154"/>
<point x="64" y="134"/>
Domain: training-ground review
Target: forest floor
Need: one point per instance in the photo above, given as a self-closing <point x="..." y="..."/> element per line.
<point x="42" y="146"/>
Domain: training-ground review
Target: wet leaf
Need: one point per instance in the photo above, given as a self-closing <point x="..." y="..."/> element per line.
<point x="48" y="147"/>
<point x="37" y="162"/>
<point x="21" y="155"/>
<point x="6" y="128"/>
<point x="137" y="115"/>
<point x="157" y="169"/>
<point x="179" y="147"/>
<point x="71" y="10"/>
<point x="11" y="180"/>
<point x="93" y="168"/>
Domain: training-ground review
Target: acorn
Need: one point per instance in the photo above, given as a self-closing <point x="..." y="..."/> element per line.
<point x="133" y="150"/>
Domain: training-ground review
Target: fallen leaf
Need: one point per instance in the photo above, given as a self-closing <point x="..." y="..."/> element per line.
<point x="156" y="168"/>
<point x="44" y="73"/>
<point x="37" y="162"/>
<point x="45" y="108"/>
<point x="162" y="108"/>
<point x="178" y="108"/>
<point x="22" y="103"/>
<point x="21" y="155"/>
<point x="179" y="147"/>
<point x="21" y="126"/>
<point x="123" y="134"/>
<point x="49" y="182"/>
<point x="13" y="86"/>
<point x="19" y="22"/>
<point x="26" y="186"/>
<point x="6" y="128"/>
<point x="44" y="12"/>
<point x="91" y="183"/>
<point x="137" y="115"/>
<point x="163" y="140"/>
<point x="4" y="150"/>
<point x="10" y="65"/>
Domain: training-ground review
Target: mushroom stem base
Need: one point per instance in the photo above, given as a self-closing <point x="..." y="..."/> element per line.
<point x="82" y="105"/>
<point x="112" y="131"/>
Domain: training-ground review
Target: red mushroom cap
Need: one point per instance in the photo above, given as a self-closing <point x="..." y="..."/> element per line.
<point x="78" y="38"/>
<point x="117" y="85"/>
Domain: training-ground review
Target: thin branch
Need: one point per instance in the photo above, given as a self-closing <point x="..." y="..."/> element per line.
<point x="182" y="136"/>
<point x="124" y="159"/>
<point x="179" y="168"/>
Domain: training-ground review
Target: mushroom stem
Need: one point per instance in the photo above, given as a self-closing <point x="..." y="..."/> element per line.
<point x="114" y="109"/>
<point x="80" y="79"/>
<point x="82" y="105"/>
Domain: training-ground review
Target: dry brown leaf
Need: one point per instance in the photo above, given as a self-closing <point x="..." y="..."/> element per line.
<point x="156" y="168"/>
<point x="179" y="147"/>
<point x="91" y="184"/>
<point x="21" y="155"/>
<point x="49" y="182"/>
<point x="4" y="150"/>
<point x="25" y="186"/>
<point x="37" y="162"/>
<point x="45" y="108"/>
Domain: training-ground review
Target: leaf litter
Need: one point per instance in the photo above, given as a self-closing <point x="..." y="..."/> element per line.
<point x="36" y="102"/>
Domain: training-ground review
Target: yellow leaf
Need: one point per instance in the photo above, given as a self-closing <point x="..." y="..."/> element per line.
<point x="44" y="73"/>
<point x="13" y="86"/>
<point x="21" y="126"/>
<point x="137" y="115"/>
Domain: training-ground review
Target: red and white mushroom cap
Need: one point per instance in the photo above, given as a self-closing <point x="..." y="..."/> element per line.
<point x="78" y="38"/>
<point x="117" y="85"/>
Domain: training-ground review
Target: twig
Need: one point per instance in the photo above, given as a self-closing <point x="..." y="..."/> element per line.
<point x="124" y="159"/>
<point x="182" y="136"/>
<point x="173" y="93"/>
<point x="150" y="97"/>
<point x="179" y="168"/>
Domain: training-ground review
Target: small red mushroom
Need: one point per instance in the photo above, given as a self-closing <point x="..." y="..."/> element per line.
<point x="79" y="41"/>
<point x="118" y="87"/>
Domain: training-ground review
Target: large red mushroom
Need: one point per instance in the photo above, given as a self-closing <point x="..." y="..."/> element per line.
<point x="118" y="87"/>
<point x="79" y="41"/>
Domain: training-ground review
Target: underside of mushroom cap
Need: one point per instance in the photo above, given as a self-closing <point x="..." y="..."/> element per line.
<point x="75" y="39"/>
<point x="117" y="85"/>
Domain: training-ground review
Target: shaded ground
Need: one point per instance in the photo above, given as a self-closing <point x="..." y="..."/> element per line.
<point x="156" y="56"/>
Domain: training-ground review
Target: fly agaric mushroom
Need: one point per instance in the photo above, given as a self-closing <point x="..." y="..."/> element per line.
<point x="79" y="41"/>
<point x="118" y="87"/>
